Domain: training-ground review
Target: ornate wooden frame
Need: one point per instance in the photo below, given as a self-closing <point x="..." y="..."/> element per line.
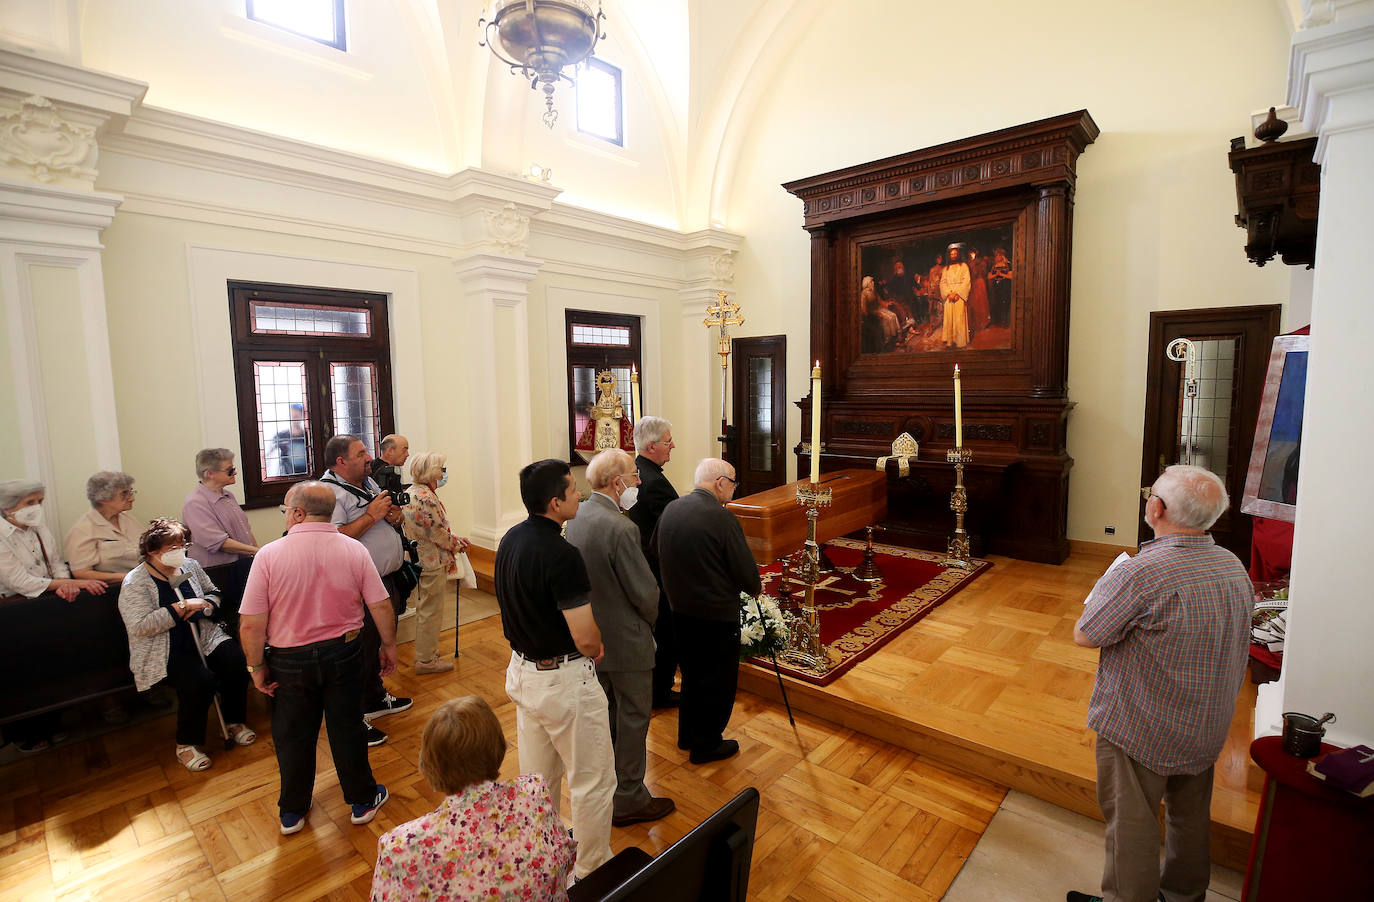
<point x="1251" y="502"/>
<point x="1015" y="399"/>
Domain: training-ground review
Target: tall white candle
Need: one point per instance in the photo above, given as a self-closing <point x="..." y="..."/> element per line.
<point x="816" y="423"/>
<point x="958" y="411"/>
<point x="637" y="412"/>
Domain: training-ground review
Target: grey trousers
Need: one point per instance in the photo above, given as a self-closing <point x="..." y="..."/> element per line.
<point x="1129" y="794"/>
<point x="629" y="701"/>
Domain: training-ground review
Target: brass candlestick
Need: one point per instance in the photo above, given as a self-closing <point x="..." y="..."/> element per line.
<point x="804" y="644"/>
<point x="958" y="502"/>
<point x="868" y="569"/>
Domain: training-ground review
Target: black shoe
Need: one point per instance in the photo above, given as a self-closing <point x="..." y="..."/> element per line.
<point x="654" y="809"/>
<point x="728" y="748"/>
<point x="375" y="737"/>
<point x="390" y="705"/>
<point x="1075" y="896"/>
<point x="670" y="699"/>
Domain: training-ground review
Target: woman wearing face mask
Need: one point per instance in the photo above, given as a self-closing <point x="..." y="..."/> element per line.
<point x="31" y="564"/>
<point x="30" y="558"/>
<point x="166" y="602"/>
<point x="426" y="523"/>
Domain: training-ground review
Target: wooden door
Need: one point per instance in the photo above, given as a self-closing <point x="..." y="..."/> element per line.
<point x="759" y="402"/>
<point x="1234" y="347"/>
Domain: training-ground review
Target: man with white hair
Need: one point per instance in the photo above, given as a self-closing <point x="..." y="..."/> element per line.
<point x="1173" y="624"/>
<point x="624" y="601"/>
<point x="653" y="447"/>
<point x="706" y="564"/>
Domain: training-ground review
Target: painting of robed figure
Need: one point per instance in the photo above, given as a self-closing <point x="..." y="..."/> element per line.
<point x="951" y="291"/>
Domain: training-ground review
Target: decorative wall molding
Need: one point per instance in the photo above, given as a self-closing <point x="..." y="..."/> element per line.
<point x="1331" y="79"/>
<point x="507" y="229"/>
<point x="36" y="141"/>
<point x="84" y="96"/>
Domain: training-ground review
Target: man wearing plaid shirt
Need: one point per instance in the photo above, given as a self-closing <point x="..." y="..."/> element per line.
<point x="1173" y="624"/>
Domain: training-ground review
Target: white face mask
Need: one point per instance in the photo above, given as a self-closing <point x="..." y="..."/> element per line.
<point x="442" y="481"/>
<point x="29" y="516"/>
<point x="629" y="497"/>
<point x="173" y="560"/>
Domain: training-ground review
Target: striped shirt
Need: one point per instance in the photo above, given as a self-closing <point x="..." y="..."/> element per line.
<point x="1173" y="624"/>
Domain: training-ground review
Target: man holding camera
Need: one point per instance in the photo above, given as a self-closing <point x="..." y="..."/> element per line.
<point x="364" y="512"/>
<point x="386" y="469"/>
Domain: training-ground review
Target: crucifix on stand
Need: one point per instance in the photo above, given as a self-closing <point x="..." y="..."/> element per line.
<point x="722" y="315"/>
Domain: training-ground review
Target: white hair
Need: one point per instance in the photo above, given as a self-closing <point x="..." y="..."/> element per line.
<point x="1194" y="497"/>
<point x="709" y="470"/>
<point x="105" y="485"/>
<point x="606" y="466"/>
<point x="649" y="430"/>
<point x="12" y="491"/>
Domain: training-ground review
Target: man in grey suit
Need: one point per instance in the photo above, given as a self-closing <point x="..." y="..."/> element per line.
<point x="624" y="599"/>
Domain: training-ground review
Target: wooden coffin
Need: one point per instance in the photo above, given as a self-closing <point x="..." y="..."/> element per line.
<point x="775" y="524"/>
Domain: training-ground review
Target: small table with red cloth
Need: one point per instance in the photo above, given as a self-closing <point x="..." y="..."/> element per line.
<point x="1312" y="841"/>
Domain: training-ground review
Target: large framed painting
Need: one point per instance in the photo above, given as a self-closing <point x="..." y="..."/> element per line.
<point x="948" y="291"/>
<point x="1271" y="482"/>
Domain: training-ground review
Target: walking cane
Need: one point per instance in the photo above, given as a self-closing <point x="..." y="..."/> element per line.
<point x="778" y="673"/>
<point x="229" y="742"/>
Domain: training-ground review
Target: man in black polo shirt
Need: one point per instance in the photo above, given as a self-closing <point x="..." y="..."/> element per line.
<point x="706" y="564"/>
<point x="561" y="721"/>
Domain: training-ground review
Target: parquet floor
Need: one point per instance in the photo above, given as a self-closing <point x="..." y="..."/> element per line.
<point x="992" y="683"/>
<point x="843" y="815"/>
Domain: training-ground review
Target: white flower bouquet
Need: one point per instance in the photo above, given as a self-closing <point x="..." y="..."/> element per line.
<point x="762" y="627"/>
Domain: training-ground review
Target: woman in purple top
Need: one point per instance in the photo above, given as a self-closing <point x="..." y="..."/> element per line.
<point x="223" y="543"/>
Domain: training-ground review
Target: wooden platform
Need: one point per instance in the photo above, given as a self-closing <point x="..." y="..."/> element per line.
<point x="992" y="683"/>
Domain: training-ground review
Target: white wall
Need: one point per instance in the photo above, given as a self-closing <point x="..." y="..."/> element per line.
<point x="1153" y="227"/>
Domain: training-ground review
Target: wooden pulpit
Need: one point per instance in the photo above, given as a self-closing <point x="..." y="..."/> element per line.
<point x="775" y="524"/>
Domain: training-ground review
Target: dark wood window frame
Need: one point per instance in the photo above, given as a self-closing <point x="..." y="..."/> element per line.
<point x="316" y="353"/>
<point x="600" y="357"/>
<point x="340" y="41"/>
<point x="619" y="139"/>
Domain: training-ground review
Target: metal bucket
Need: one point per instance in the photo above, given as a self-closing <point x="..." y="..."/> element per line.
<point x="1302" y="735"/>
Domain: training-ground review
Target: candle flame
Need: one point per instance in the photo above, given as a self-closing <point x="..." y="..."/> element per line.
<point x="956" y="369"/>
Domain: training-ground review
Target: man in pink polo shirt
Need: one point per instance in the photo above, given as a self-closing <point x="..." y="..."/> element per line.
<point x="304" y="599"/>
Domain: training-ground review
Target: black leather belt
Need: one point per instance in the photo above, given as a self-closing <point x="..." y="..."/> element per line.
<point x="551" y="663"/>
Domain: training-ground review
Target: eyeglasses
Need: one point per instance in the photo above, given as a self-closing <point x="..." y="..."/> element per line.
<point x="629" y="479"/>
<point x="286" y="508"/>
<point x="731" y="479"/>
<point x="166" y="548"/>
<point x="128" y="493"/>
<point x="1147" y="494"/>
<point x="232" y="471"/>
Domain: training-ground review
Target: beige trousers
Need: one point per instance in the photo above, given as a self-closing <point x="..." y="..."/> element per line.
<point x="1129" y="794"/>
<point x="429" y="610"/>
<point x="561" y="726"/>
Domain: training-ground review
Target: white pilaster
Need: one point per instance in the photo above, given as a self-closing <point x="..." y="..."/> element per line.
<point x="708" y="267"/>
<point x="1327" y="666"/>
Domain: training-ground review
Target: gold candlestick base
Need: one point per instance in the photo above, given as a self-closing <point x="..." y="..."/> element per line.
<point x="868" y="568"/>
<point x="804" y="643"/>
<point x="958" y="549"/>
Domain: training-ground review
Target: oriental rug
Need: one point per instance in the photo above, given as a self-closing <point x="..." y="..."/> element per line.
<point x="857" y="618"/>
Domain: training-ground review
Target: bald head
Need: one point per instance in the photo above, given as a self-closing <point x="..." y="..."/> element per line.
<point x="717" y="477"/>
<point x="395" y="449"/>
<point x="314" y="499"/>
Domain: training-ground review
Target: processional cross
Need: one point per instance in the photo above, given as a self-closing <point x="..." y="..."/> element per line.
<point x="722" y="315"/>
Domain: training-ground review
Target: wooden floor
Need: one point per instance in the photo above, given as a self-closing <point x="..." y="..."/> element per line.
<point x="115" y="817"/>
<point x="992" y="683"/>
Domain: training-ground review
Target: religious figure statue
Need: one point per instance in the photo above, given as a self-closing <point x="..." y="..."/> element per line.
<point x="607" y="425"/>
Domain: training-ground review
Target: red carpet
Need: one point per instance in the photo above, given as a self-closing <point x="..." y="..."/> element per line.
<point x="858" y="618"/>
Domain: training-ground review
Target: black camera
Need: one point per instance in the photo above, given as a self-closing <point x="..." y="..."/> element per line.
<point x="398" y="498"/>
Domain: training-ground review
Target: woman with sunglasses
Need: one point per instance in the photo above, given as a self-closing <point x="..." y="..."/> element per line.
<point x="224" y="543"/>
<point x="166" y="603"/>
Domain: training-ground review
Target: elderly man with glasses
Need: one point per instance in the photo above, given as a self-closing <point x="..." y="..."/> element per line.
<point x="624" y="601"/>
<point x="706" y="564"/>
<point x="1173" y="624"/>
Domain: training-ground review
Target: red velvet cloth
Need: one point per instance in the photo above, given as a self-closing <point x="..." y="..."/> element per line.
<point x="1311" y="841"/>
<point x="1271" y="549"/>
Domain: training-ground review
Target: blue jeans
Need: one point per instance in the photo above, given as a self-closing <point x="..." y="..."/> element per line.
<point x="323" y="680"/>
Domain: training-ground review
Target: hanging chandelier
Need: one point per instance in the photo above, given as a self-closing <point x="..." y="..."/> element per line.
<point x="540" y="38"/>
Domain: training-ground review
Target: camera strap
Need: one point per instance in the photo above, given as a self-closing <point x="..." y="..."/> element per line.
<point x="350" y="488"/>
